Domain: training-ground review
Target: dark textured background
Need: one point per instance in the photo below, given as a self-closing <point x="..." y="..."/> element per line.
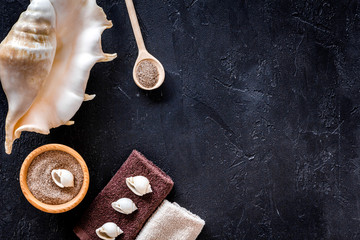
<point x="257" y="122"/>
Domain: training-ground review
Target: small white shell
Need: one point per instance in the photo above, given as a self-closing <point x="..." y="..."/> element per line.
<point x="108" y="231"/>
<point x="139" y="185"/>
<point x="62" y="178"/>
<point x="124" y="205"/>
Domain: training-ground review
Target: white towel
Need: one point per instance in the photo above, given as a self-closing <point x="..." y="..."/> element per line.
<point x="171" y="222"/>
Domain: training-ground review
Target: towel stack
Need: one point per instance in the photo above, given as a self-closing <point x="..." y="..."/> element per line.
<point x="169" y="222"/>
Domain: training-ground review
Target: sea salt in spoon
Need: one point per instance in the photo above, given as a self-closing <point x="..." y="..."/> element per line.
<point x="143" y="53"/>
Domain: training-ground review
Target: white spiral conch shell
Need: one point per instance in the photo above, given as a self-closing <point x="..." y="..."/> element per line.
<point x="108" y="231"/>
<point x="62" y="178"/>
<point x="45" y="62"/>
<point x="139" y="185"/>
<point x="124" y="205"/>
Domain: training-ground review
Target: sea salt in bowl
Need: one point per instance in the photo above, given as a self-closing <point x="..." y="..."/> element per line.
<point x="55" y="203"/>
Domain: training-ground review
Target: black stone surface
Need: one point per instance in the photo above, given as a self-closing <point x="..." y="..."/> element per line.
<point x="257" y="122"/>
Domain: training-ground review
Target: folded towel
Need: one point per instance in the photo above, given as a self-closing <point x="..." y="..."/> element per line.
<point x="171" y="222"/>
<point x="100" y="210"/>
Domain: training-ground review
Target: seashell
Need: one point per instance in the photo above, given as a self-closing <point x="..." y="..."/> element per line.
<point x="26" y="58"/>
<point x="139" y="185"/>
<point x="45" y="64"/>
<point x="62" y="178"/>
<point x="124" y="205"/>
<point x="108" y="231"/>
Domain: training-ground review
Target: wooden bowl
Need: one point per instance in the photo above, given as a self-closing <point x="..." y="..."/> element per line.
<point x="47" y="207"/>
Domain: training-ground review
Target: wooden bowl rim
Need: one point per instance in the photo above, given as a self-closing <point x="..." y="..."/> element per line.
<point x="60" y="208"/>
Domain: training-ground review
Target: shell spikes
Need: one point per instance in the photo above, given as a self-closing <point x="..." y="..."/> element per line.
<point x="45" y="64"/>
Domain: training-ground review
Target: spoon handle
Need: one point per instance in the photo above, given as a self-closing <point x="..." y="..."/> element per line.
<point x="135" y="25"/>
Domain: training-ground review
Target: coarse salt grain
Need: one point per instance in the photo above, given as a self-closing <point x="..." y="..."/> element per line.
<point x="147" y="74"/>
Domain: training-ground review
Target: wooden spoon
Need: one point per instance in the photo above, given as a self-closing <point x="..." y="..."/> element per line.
<point x="143" y="53"/>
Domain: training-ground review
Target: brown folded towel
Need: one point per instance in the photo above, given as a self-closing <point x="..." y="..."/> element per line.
<point x="100" y="210"/>
<point x="171" y="222"/>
